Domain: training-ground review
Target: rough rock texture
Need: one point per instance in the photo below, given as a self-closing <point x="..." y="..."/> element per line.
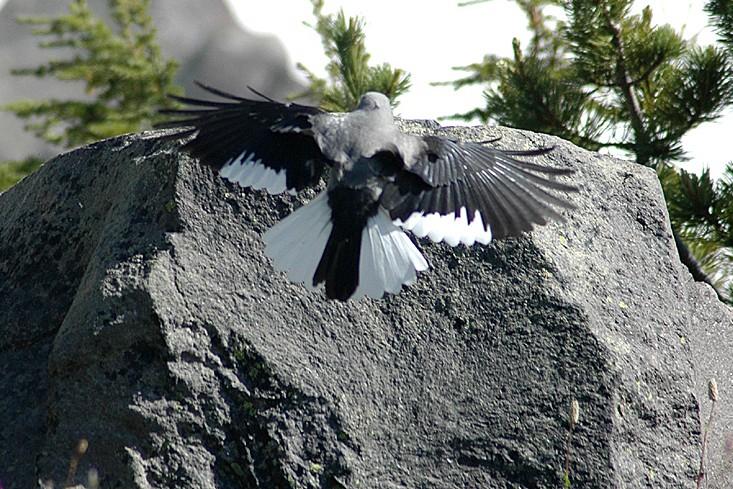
<point x="202" y="36"/>
<point x="138" y="311"/>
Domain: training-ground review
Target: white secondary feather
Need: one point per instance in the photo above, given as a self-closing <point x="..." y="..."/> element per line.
<point x="296" y="243"/>
<point x="388" y="259"/>
<point x="448" y="227"/>
<point x="250" y="172"/>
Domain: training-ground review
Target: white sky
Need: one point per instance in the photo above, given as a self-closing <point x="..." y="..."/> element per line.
<point x="428" y="41"/>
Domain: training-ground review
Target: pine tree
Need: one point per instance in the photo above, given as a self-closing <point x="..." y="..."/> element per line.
<point x="700" y="208"/>
<point x="121" y="66"/>
<point x="349" y="74"/>
<point x="609" y="79"/>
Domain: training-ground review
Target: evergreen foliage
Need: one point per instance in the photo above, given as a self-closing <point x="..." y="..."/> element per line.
<point x="721" y="15"/>
<point x="701" y="212"/>
<point x="608" y="79"/>
<point x="127" y="81"/>
<point x="11" y="172"/>
<point x="349" y="74"/>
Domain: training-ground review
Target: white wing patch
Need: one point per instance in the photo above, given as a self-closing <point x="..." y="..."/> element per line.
<point x="448" y="227"/>
<point x="296" y="243"/>
<point x="250" y="172"/>
<point x="388" y="259"/>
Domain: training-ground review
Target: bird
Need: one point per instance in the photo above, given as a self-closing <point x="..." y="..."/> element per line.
<point x="350" y="239"/>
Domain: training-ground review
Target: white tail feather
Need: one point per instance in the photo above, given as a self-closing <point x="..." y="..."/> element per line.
<point x="296" y="243"/>
<point x="388" y="259"/>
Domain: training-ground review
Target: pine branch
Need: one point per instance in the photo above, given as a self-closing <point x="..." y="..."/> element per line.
<point x="349" y="74"/>
<point x="623" y="79"/>
<point x="721" y="15"/>
<point x="693" y="265"/>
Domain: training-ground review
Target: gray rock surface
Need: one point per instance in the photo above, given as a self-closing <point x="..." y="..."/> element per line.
<point x="202" y="36"/>
<point x="137" y="311"/>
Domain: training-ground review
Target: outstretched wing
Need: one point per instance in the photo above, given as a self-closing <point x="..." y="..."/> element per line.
<point x="257" y="143"/>
<point x="463" y="192"/>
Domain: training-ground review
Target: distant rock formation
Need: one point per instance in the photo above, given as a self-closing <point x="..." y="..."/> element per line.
<point x="138" y="312"/>
<point x="203" y="36"/>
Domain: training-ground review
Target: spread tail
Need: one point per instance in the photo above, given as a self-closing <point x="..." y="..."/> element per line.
<point x="354" y="258"/>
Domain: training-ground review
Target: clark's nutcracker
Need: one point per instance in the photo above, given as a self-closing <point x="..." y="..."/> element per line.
<point x="381" y="181"/>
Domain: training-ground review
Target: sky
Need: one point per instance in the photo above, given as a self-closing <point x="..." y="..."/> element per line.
<point x="429" y="42"/>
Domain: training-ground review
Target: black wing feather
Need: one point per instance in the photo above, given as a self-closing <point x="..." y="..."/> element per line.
<point x="277" y="134"/>
<point x="511" y="195"/>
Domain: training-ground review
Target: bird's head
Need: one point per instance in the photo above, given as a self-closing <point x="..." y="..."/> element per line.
<point x="374" y="101"/>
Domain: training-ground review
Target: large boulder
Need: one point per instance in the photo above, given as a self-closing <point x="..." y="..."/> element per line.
<point x="138" y="312"/>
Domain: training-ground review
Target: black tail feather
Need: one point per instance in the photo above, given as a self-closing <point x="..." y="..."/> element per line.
<point x="339" y="265"/>
<point x="351" y="208"/>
